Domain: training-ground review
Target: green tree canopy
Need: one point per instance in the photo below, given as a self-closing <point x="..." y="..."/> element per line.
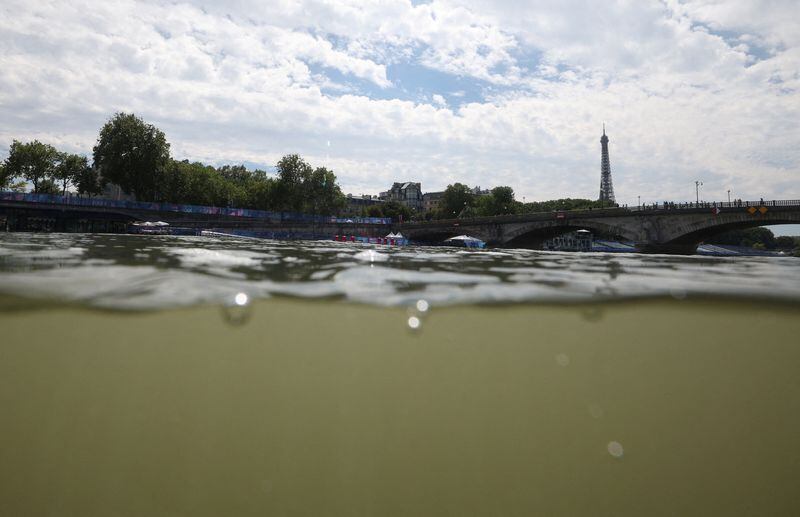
<point x="748" y="237"/>
<point x="293" y="172"/>
<point x="456" y="198"/>
<point x="563" y="204"/>
<point x="48" y="186"/>
<point x="89" y="181"/>
<point x="785" y="242"/>
<point x="396" y="211"/>
<point x="499" y="202"/>
<point x="5" y="179"/>
<point x="322" y="194"/>
<point x="33" y="161"/>
<point x="69" y="169"/>
<point x="134" y="155"/>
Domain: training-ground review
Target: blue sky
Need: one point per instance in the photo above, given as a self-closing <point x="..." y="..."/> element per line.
<point x="483" y="92"/>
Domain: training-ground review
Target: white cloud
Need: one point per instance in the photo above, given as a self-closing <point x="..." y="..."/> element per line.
<point x="689" y="90"/>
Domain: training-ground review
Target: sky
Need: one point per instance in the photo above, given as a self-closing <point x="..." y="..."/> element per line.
<point x="484" y="92"/>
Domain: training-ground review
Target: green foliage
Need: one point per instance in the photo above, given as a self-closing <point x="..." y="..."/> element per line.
<point x="134" y="155"/>
<point x="19" y="186"/>
<point x="499" y="202"/>
<point x="396" y="211"/>
<point x="5" y="179"/>
<point x="69" y="169"/>
<point x="748" y="238"/>
<point x="89" y="181"/>
<point x="261" y="192"/>
<point x="33" y="161"/>
<point x="48" y="186"/>
<point x="785" y="242"/>
<point x="563" y="204"/>
<point x="301" y="188"/>
<point x="293" y="173"/>
<point x="457" y="198"/>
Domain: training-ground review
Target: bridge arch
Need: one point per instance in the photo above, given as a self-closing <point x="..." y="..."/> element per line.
<point x="533" y="235"/>
<point x="701" y="231"/>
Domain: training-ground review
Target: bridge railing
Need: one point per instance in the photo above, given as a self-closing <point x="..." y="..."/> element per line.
<point x="716" y="204"/>
<point x="600" y="212"/>
<point x="265" y="215"/>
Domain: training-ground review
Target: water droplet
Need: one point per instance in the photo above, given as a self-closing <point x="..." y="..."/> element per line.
<point x="423" y="305"/>
<point x="562" y="359"/>
<point x="596" y="411"/>
<point x="615" y="449"/>
<point x="414" y="323"/>
<point x="236" y="310"/>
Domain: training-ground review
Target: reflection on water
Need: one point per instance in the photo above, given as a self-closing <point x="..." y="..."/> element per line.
<point x="145" y="272"/>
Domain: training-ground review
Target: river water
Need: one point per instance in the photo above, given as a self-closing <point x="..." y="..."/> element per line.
<point x="160" y="375"/>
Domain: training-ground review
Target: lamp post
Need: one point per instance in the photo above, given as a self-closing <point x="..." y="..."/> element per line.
<point x="697" y="190"/>
<point x="639" y="200"/>
<point x="729" y="196"/>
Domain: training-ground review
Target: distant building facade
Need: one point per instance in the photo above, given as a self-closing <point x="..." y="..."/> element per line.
<point x="356" y="204"/>
<point x="407" y="193"/>
<point x="431" y="200"/>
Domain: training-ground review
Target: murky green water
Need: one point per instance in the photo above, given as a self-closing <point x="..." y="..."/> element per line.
<point x="131" y="382"/>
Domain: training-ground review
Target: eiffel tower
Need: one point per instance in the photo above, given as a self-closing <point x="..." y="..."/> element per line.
<point x="606" y="186"/>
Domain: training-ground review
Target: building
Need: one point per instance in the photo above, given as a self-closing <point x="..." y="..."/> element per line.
<point x="477" y="192"/>
<point x="408" y="193"/>
<point x="606" y="186"/>
<point x="356" y="204"/>
<point x="431" y="200"/>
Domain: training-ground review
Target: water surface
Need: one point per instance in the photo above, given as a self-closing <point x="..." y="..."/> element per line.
<point x="527" y="383"/>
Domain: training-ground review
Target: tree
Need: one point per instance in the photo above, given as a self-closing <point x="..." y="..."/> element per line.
<point x="89" y="181"/>
<point x="748" y="238"/>
<point x="396" y="211"/>
<point x="500" y="201"/>
<point x="134" y="155"/>
<point x="322" y="194"/>
<point x="785" y="242"/>
<point x="33" y="161"/>
<point x="69" y="169"/>
<point x="5" y="179"/>
<point x="456" y="198"/>
<point x="48" y="186"/>
<point x="293" y="172"/>
<point x="261" y="193"/>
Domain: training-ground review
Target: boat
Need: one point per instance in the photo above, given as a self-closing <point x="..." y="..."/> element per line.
<point x="465" y="241"/>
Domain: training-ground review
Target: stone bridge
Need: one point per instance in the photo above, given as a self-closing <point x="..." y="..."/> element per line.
<point x="662" y="229"/>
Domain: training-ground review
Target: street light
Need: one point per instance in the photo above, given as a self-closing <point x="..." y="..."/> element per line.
<point x="697" y="190"/>
<point x="729" y="196"/>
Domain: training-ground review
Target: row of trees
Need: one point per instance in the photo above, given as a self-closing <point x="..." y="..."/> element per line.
<point x="48" y="170"/>
<point x="459" y="201"/>
<point x="759" y="238"/>
<point x="136" y="156"/>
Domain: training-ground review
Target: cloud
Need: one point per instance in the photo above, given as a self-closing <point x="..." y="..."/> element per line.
<point x="516" y="95"/>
